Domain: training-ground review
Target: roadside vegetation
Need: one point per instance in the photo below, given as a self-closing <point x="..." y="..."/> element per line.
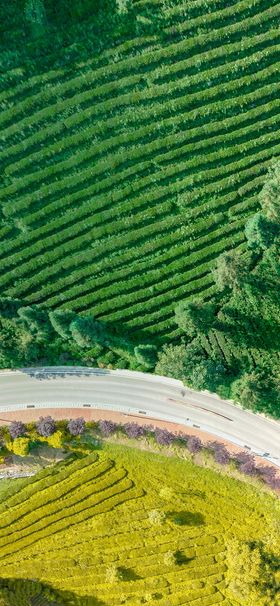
<point x="26" y="441"/>
<point x="140" y="204"/>
<point x="113" y="524"/>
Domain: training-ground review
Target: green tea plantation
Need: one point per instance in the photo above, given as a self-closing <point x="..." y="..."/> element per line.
<point x="135" y="139"/>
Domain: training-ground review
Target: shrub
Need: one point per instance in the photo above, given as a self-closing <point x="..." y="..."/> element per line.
<point x="247" y="463"/>
<point x="183" y="438"/>
<point x="21" y="446"/>
<point x="76" y="426"/>
<point x="56" y="439"/>
<point x="17" y="429"/>
<point x="45" y="426"/>
<point x="222" y="456"/>
<point x="273" y="482"/>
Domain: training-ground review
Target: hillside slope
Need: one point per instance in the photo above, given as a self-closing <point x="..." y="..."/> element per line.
<point x="124" y="175"/>
<point x="103" y="531"/>
<point x="140" y="190"/>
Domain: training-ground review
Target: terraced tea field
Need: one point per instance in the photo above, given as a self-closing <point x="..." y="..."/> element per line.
<point x="103" y="531"/>
<point x="126" y="175"/>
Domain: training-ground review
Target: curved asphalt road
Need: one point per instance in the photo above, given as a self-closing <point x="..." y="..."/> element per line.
<point x="139" y="393"/>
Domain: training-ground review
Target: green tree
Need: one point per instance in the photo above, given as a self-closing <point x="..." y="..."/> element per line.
<point x="260" y="232"/>
<point x="231" y="271"/>
<point x="35" y="17"/>
<point x="35" y="321"/>
<point x="251" y="575"/>
<point x="61" y="320"/>
<point x="178" y="361"/>
<point x="171" y="362"/>
<point x="9" y="307"/>
<point x="270" y="194"/>
<point x="113" y="574"/>
<point x="208" y="374"/>
<point x="146" y="355"/>
<point x="195" y="317"/>
<point x="34" y="12"/>
<point x="272" y="255"/>
<point x="87" y="331"/>
<point x="156" y="517"/>
<point x="249" y="389"/>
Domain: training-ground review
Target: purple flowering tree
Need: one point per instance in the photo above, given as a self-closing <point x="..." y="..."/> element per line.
<point x="76" y="426"/>
<point x="242" y="457"/>
<point x="46" y="426"/>
<point x="133" y="430"/>
<point x="267" y="471"/>
<point x="249" y="467"/>
<point x="273" y="482"/>
<point x="106" y="428"/>
<point x="247" y="463"/>
<point x="221" y="454"/>
<point x="17" y="429"/>
<point x="194" y="444"/>
<point x="164" y="437"/>
<point x="269" y="475"/>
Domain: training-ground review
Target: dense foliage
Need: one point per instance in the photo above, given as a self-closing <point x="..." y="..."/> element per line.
<point x="232" y="346"/>
<point x="123" y="526"/>
<point x="140" y="189"/>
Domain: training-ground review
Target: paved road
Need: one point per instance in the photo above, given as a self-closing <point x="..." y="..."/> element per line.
<point x="140" y="393"/>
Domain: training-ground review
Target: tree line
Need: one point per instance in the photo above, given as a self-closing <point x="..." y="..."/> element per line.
<point x="243" y="316"/>
<point x="244" y="313"/>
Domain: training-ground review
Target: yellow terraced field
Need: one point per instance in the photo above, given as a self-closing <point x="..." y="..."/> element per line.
<point x="129" y="527"/>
